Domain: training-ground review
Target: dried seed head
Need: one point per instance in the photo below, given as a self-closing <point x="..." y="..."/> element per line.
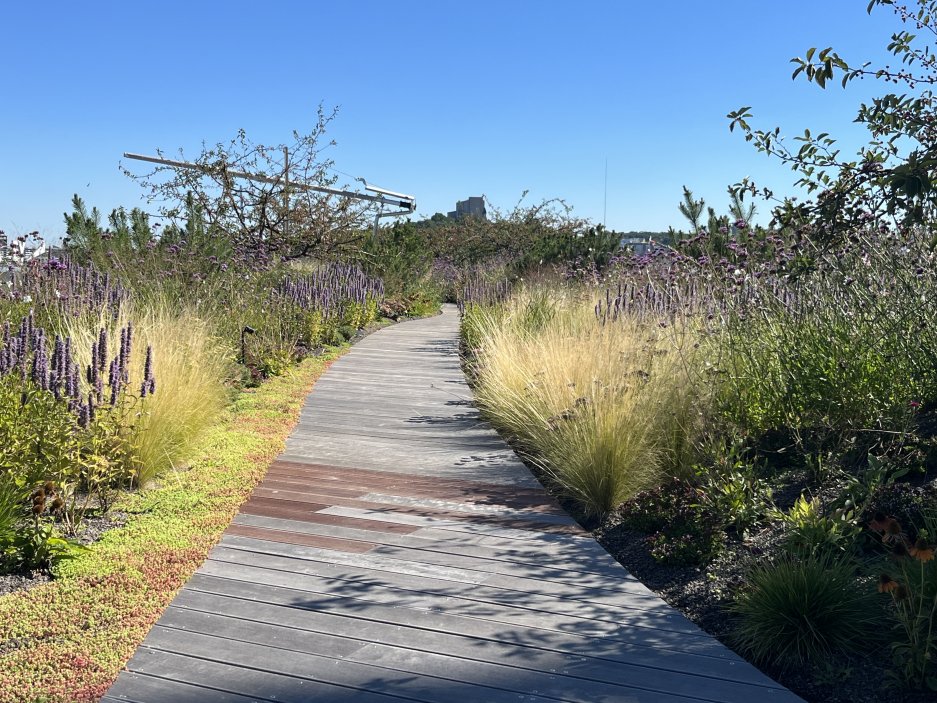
<point x="886" y="584"/>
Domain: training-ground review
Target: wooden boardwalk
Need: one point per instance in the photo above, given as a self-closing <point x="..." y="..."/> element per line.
<point x="398" y="550"/>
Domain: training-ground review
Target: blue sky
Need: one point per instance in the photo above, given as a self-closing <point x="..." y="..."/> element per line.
<point x="440" y="99"/>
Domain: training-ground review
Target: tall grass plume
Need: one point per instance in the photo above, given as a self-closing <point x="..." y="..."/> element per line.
<point x="189" y="366"/>
<point x="605" y="410"/>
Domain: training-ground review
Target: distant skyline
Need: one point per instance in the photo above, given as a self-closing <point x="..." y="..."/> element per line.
<point x="437" y="99"/>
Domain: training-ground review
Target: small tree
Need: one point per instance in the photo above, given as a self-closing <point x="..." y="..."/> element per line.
<point x="262" y="220"/>
<point x="894" y="174"/>
<point x="127" y="233"/>
<point x="738" y="210"/>
<point x="510" y="235"/>
<point x="691" y="209"/>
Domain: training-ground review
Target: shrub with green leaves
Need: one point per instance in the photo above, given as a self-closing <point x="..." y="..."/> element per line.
<point x="737" y="497"/>
<point x="821" y="357"/>
<point x="682" y="527"/>
<point x="810" y="531"/>
<point x="798" y="611"/>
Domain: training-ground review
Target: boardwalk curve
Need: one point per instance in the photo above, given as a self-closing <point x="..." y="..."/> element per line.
<point x="399" y="551"/>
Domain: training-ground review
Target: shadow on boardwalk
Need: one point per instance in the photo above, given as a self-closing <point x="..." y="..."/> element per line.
<point x="398" y="550"/>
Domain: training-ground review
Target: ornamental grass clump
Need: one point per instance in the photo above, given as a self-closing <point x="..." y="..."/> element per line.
<point x="605" y="410"/>
<point x="178" y="368"/>
<point x="802" y="610"/>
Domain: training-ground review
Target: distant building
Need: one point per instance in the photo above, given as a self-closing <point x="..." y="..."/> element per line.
<point x="472" y="207"/>
<point x="17" y="252"/>
<point x="639" y="245"/>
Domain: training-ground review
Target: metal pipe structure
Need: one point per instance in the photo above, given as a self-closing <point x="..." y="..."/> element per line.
<point x="407" y="203"/>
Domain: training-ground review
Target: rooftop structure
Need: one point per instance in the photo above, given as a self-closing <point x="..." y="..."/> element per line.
<point x="471" y="207"/>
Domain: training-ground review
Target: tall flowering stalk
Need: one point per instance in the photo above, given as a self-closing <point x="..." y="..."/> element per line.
<point x="330" y="289"/>
<point x="914" y="595"/>
<point x="52" y="367"/>
<point x="70" y="289"/>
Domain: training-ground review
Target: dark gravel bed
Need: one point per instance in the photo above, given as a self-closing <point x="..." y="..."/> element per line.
<point x="94" y="527"/>
<point x="22" y="580"/>
<point x="703" y="593"/>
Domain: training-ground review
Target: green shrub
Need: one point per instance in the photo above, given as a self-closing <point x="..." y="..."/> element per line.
<point x="810" y="532"/>
<point x="41" y="439"/>
<point x="274" y="363"/>
<point x="422" y="303"/>
<point x="735" y="495"/>
<point x="801" y="610"/>
<point x="683" y="528"/>
<point x="826" y="359"/>
<point x="11" y="499"/>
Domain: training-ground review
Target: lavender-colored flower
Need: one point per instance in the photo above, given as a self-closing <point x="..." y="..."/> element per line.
<point x="70" y="380"/>
<point x="124" y="355"/>
<point x="40" y="369"/>
<point x="102" y="349"/>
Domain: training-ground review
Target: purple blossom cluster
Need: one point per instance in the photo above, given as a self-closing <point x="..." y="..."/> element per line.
<point x="329" y="289"/>
<point x="118" y="374"/>
<point x="26" y="353"/>
<point x="729" y="278"/>
<point x="71" y="288"/>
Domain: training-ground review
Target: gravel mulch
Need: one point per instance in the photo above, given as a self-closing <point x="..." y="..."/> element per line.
<point x="703" y="593"/>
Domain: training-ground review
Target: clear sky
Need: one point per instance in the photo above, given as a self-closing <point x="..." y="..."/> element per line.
<point x="440" y="99"/>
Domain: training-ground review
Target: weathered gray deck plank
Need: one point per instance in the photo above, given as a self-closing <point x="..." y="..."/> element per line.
<point x="632" y="591"/>
<point x="383" y="624"/>
<point x="566" y="678"/>
<point x="567" y="560"/>
<point x="318" y="668"/>
<point x="400" y="551"/>
<point x="422" y="592"/>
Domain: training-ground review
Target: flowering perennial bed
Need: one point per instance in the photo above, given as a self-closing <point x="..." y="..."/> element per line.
<point x="66" y="640"/>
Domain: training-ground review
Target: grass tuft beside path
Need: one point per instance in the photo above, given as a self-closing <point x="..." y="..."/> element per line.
<point x="68" y="639"/>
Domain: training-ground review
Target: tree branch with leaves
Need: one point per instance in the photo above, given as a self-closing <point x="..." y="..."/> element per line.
<point x="262" y="220"/>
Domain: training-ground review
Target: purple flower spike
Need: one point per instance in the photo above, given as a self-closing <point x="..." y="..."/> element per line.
<point x="102" y="349"/>
<point x="148" y="364"/>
